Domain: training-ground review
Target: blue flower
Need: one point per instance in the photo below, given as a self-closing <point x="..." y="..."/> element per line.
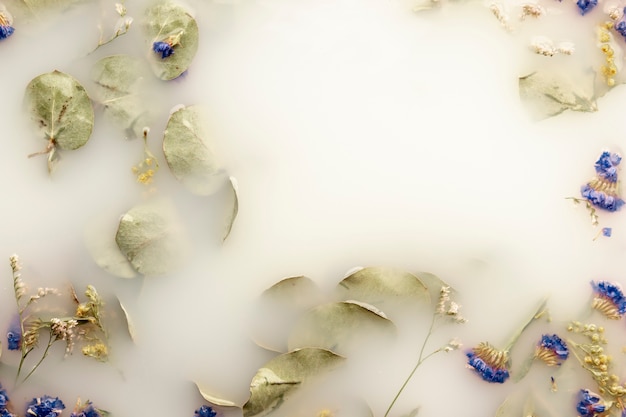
<point x="606" y="166"/>
<point x="45" y="406"/>
<point x="6" y="31"/>
<point x="86" y="410"/>
<point x="491" y="364"/>
<point x="609" y="299"/>
<point x="607" y="231"/>
<point x="14" y="334"/>
<point x="552" y="350"/>
<point x="164" y="48"/>
<point x="589" y="404"/>
<point x="6" y="413"/>
<point x="586" y="5"/>
<point x="602" y="195"/>
<point x="205" y="411"/>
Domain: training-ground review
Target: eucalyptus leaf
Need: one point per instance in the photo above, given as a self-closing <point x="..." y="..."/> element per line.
<point x="149" y="237"/>
<point x="62" y="112"/>
<point x="189" y="154"/>
<point x="382" y="286"/>
<point x="129" y="322"/>
<point x="433" y="283"/>
<point x="234" y="208"/>
<point x="171" y="21"/>
<point x="284" y="374"/>
<point x="41" y="8"/>
<point x="102" y="247"/>
<point x="213" y="400"/>
<point x="339" y="327"/>
<point x="118" y="81"/>
<point x="548" y="94"/>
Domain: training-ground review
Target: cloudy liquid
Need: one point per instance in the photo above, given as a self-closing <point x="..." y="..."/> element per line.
<point x="360" y="134"/>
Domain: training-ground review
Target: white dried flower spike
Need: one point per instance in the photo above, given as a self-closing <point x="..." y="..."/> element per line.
<point x="444" y="298"/>
<point x="566" y="48"/>
<point x="532" y="10"/>
<point x="120" y="9"/>
<point x="498" y="11"/>
<point x="64" y="330"/>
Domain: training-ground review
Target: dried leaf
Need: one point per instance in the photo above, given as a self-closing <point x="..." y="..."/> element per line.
<point x="234" y="210"/>
<point x="188" y="153"/>
<point x="381" y="286"/>
<point x="339" y="326"/>
<point x="166" y="20"/>
<point x="547" y="94"/>
<point x="118" y="79"/>
<point x="100" y="243"/>
<point x="412" y="413"/>
<point x="149" y="238"/>
<point x="129" y="322"/>
<point x="213" y="400"/>
<point x="62" y="111"/>
<point x="284" y="374"/>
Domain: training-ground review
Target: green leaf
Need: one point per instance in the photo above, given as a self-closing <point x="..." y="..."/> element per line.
<point x="41" y="8"/>
<point x="230" y="220"/>
<point x="189" y="154"/>
<point x="284" y="374"/>
<point x="62" y="112"/>
<point x="149" y="238"/>
<point x="101" y="245"/>
<point x="340" y="327"/>
<point x="118" y="81"/>
<point x="214" y="400"/>
<point x="169" y="20"/>
<point x="382" y="286"/>
<point x="548" y="94"/>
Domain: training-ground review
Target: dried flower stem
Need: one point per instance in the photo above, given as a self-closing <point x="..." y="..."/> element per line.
<point x="45" y="354"/>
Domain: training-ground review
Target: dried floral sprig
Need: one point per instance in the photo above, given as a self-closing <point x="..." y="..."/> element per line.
<point x="121" y="28"/>
<point x="589" y="404"/>
<point x="552" y="350"/>
<point x="165" y="46"/>
<point x="603" y="190"/>
<point x="608" y="299"/>
<point x="148" y="167"/>
<point x="6" y="23"/>
<point x="45" y="406"/>
<point x="87" y="409"/>
<point x="204" y="411"/>
<point x="445" y="311"/>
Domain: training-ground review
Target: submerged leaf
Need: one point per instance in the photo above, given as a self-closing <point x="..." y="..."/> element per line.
<point x="189" y="154"/>
<point x="546" y="94"/>
<point x="148" y="236"/>
<point x="213" y="400"/>
<point x="234" y="210"/>
<point x="129" y="322"/>
<point x="166" y="22"/>
<point x="380" y="286"/>
<point x="62" y="110"/>
<point x="101" y="245"/>
<point x="118" y="79"/>
<point x="338" y="326"/>
<point x="275" y="381"/>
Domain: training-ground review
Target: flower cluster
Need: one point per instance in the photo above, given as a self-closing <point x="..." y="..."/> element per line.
<point x="6" y="28"/>
<point x="488" y="362"/>
<point x="586" y="5"/>
<point x="205" y="411"/>
<point x="552" y="350"/>
<point x="85" y="410"/>
<point x="45" y="406"/>
<point x="589" y="404"/>
<point x="166" y="46"/>
<point x="609" y="299"/>
<point x="4" y="402"/>
<point x="448" y="308"/>
<point x="602" y="191"/>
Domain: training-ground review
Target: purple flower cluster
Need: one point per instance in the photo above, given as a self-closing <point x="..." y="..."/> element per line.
<point x="586" y="5"/>
<point x="6" y="31"/>
<point x="602" y="191"/>
<point x="163" y="48"/>
<point x="552" y="350"/>
<point x="609" y="299"/>
<point x="589" y="404"/>
<point x="205" y="411"/>
<point x="606" y="166"/>
<point x="86" y="410"/>
<point x="489" y="363"/>
<point x="4" y="402"/>
<point x="45" y="406"/>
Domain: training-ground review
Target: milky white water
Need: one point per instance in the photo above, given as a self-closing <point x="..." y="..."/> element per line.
<point x="360" y="133"/>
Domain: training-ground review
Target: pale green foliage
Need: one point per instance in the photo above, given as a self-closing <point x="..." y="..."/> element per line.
<point x="169" y="19"/>
<point x="215" y="400"/>
<point x="285" y="373"/>
<point x="103" y="249"/>
<point x="62" y="111"/>
<point x="188" y="152"/>
<point x="234" y="208"/>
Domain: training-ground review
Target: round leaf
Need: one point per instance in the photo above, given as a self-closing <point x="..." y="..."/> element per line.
<point x="118" y="79"/>
<point x="104" y="251"/>
<point x="148" y="237"/>
<point x="61" y="109"/>
<point x="282" y="375"/>
<point x="169" y="20"/>
<point x="339" y="326"/>
<point x="188" y="153"/>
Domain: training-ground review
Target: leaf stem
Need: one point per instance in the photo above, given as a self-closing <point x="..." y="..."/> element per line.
<point x="45" y="354"/>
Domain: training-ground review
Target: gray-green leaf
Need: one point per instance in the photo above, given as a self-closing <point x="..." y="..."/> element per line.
<point x="118" y="79"/>
<point x="130" y="325"/>
<point x="234" y="208"/>
<point x="339" y="327"/>
<point x="189" y="154"/>
<point x="214" y="400"/>
<point x="149" y="238"/>
<point x="62" y="111"/>
<point x="548" y="94"/>
<point x="170" y="21"/>
<point x="284" y="374"/>
<point x="101" y="245"/>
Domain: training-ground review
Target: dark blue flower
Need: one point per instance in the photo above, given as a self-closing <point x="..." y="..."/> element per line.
<point x="589" y="404"/>
<point x="621" y="28"/>
<point x="552" y="350"/>
<point x="488" y="362"/>
<point x="163" y="48"/>
<point x="6" y="31"/>
<point x="86" y="410"/>
<point x="6" y="413"/>
<point x="14" y="334"/>
<point x="607" y="231"/>
<point x="586" y="5"/>
<point x="205" y="411"/>
<point x="606" y="166"/>
<point x="609" y="299"/>
<point x="45" y="406"/>
<point x="602" y="195"/>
